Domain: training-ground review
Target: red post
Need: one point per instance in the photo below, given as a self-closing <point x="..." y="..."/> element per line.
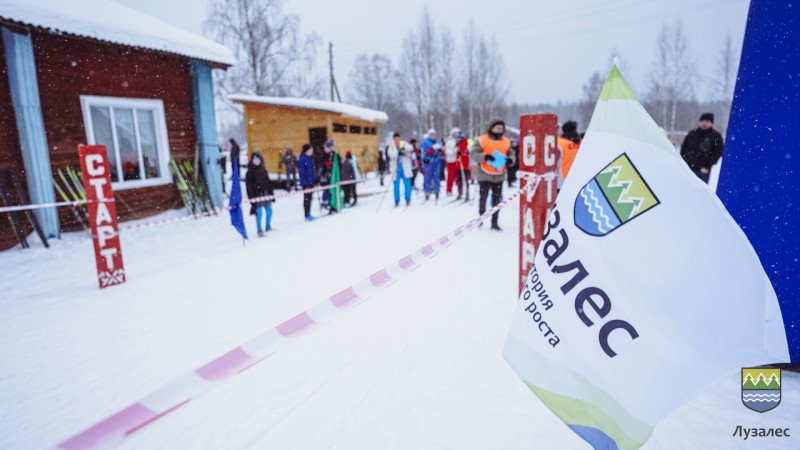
<point x="102" y="214"/>
<point x="539" y="156"/>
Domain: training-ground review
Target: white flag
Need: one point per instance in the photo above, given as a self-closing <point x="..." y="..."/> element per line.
<point x="644" y="289"/>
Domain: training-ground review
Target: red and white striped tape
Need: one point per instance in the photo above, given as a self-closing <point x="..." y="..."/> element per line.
<point x="115" y="428"/>
<point x="226" y="208"/>
<point x="15" y="208"/>
<point x="41" y="206"/>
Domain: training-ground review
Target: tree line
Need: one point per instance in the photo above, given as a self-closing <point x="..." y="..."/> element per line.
<point x="441" y="80"/>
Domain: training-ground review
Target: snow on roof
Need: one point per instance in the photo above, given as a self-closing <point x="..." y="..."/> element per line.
<point x="111" y="22"/>
<point x="370" y="115"/>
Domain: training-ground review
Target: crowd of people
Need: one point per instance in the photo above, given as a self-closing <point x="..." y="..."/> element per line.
<point x="455" y="161"/>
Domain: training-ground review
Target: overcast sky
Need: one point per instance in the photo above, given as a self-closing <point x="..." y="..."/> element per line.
<point x="550" y="48"/>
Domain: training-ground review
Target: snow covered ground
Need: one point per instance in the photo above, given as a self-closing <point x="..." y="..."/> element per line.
<point x="418" y="366"/>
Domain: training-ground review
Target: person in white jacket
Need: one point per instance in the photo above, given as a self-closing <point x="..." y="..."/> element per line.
<point x="398" y="154"/>
<point x="453" y="148"/>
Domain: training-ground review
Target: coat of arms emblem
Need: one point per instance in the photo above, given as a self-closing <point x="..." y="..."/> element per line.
<point x="761" y="388"/>
<point x="615" y="196"/>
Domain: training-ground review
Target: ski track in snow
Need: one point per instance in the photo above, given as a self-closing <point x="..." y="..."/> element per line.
<point x="419" y="365"/>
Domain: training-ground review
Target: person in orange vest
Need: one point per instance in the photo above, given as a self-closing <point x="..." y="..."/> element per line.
<point x="569" y="143"/>
<point x="491" y="152"/>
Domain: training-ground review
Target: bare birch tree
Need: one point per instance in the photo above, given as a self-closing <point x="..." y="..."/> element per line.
<point x="591" y="93"/>
<point x="275" y="58"/>
<point x="724" y="81"/>
<point x="372" y="82"/>
<point x="672" y="75"/>
<point x="444" y="94"/>
<point x="418" y="62"/>
<point x="484" y="87"/>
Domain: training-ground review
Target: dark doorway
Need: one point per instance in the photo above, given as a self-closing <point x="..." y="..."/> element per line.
<point x="317" y="136"/>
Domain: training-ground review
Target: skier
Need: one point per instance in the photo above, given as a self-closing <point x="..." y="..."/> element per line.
<point x="431" y="160"/>
<point x="349" y="174"/>
<point x="305" y="167"/>
<point x="399" y="156"/>
<point x="453" y="149"/>
<point x="702" y="147"/>
<point x="464" y="164"/>
<point x="491" y="151"/>
<point x="569" y="143"/>
<point x="258" y="186"/>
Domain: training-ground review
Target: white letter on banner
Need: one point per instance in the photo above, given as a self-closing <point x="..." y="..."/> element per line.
<point x="550" y="150"/>
<point x="98" y="186"/>
<point x="550" y="191"/>
<point x="529" y="150"/>
<point x="528" y="254"/>
<point x="105" y="233"/>
<point x="108" y="255"/>
<point x="528" y="227"/>
<point x="102" y="214"/>
<point x="95" y="166"/>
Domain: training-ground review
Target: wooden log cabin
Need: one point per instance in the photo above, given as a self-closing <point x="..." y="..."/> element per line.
<point x="273" y="124"/>
<point x="103" y="74"/>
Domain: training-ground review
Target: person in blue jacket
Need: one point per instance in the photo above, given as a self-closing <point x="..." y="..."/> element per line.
<point x="307" y="173"/>
<point x="431" y="164"/>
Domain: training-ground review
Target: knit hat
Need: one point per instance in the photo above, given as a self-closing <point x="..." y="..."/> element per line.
<point x="431" y="132"/>
<point x="497" y="122"/>
<point x="348" y="155"/>
<point x="707" y="116"/>
<point x="569" y="127"/>
<point x="455" y="132"/>
<point x="329" y="143"/>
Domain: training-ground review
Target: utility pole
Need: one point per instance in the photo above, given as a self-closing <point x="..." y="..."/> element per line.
<point x="334" y="87"/>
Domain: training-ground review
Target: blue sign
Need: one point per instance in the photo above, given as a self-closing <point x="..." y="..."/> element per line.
<point x="760" y="178"/>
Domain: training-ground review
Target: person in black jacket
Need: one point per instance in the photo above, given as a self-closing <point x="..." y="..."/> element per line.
<point x="702" y="147"/>
<point x="258" y="187"/>
<point x="305" y="167"/>
<point x="349" y="174"/>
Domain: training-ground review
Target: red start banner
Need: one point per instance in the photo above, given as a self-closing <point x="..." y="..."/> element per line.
<point x="102" y="214"/>
<point x="538" y="155"/>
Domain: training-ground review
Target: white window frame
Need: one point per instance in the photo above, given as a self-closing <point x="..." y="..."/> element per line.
<point x="162" y="141"/>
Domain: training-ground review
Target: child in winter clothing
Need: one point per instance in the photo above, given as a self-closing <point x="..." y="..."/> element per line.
<point x="258" y="186"/>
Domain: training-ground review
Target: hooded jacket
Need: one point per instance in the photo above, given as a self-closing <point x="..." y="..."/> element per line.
<point x="257" y="183"/>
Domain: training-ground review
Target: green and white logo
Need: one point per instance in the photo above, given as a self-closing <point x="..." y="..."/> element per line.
<point x="761" y="388"/>
<point x="614" y="197"/>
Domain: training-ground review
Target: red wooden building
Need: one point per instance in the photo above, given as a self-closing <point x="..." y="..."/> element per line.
<point x="104" y="74"/>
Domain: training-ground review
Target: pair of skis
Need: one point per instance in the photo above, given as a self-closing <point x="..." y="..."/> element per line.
<point x="16" y="224"/>
<point x="192" y="188"/>
<point x="71" y="190"/>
